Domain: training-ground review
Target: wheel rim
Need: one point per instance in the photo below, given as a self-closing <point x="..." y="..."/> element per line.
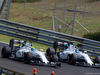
<point x="71" y="59"/>
<point x="25" y="58"/>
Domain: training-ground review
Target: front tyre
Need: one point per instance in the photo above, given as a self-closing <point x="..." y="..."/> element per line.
<point x="50" y="51"/>
<point x="72" y="59"/>
<point x="96" y="60"/>
<point x="54" y="58"/>
<point x="27" y="58"/>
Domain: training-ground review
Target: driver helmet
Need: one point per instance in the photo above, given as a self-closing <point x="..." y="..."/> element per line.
<point x="75" y="44"/>
<point x="33" y="49"/>
<point x="76" y="50"/>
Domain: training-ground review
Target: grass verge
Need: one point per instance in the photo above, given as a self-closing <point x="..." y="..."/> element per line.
<point x="6" y="39"/>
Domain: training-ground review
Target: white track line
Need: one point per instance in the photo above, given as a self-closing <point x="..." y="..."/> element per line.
<point x="4" y="42"/>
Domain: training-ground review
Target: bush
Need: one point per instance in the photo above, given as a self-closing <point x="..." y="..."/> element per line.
<point x="93" y="36"/>
<point x="21" y="1"/>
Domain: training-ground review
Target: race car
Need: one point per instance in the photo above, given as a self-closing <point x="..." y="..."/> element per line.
<point x="71" y="54"/>
<point x="27" y="53"/>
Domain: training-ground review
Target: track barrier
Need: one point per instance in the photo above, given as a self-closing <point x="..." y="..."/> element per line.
<point x="47" y="37"/>
<point x="4" y="71"/>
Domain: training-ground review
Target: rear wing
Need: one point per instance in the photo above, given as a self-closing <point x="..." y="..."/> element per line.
<point x="60" y="45"/>
<point x="12" y="42"/>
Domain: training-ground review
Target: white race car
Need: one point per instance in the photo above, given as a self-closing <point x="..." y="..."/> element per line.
<point x="72" y="54"/>
<point x="27" y="53"/>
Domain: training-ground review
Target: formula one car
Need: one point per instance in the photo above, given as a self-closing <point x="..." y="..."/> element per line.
<point x="71" y="54"/>
<point x="27" y="53"/>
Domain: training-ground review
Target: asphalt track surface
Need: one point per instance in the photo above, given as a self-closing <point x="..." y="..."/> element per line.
<point x="65" y="69"/>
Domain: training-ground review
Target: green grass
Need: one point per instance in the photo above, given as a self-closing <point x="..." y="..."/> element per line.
<point x="38" y="46"/>
<point x="33" y="15"/>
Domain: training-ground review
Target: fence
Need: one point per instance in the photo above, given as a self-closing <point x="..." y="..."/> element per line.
<point x="2" y="3"/>
<point x="47" y="37"/>
<point x="5" y="8"/>
<point x="4" y="71"/>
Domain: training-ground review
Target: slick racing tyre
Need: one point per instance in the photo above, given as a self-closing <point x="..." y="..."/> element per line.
<point x="54" y="58"/>
<point x="50" y="51"/>
<point x="96" y="60"/>
<point x="58" y="54"/>
<point x="6" y="52"/>
<point x="27" y="58"/>
<point x="72" y="59"/>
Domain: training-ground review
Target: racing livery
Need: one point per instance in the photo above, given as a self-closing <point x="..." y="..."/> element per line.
<point x="27" y="53"/>
<point x="71" y="54"/>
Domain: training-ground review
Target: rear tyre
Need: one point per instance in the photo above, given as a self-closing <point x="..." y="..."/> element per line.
<point x="54" y="58"/>
<point x="6" y="52"/>
<point x="72" y="59"/>
<point x="27" y="58"/>
<point x="50" y="51"/>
